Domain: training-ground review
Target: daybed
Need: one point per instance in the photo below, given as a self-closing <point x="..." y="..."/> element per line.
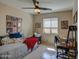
<point x="18" y="49"/>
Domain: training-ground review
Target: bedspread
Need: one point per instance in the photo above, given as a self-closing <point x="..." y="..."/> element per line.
<point x="13" y="51"/>
<point x="30" y="42"/>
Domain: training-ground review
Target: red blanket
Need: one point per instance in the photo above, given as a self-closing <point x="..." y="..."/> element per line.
<point x="30" y="42"/>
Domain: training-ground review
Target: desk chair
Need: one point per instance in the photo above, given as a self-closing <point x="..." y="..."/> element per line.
<point x="69" y="49"/>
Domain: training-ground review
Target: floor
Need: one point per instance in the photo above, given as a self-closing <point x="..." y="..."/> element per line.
<point x="48" y="44"/>
<point x="50" y="52"/>
<point x="44" y="51"/>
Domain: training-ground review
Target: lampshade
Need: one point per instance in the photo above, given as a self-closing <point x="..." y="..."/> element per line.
<point x="37" y="11"/>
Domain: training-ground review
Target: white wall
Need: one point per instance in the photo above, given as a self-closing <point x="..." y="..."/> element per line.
<point x="63" y="15"/>
<point x="75" y="6"/>
<point x="27" y="19"/>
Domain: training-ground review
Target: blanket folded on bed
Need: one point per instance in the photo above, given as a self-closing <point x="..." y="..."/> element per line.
<point x="30" y="42"/>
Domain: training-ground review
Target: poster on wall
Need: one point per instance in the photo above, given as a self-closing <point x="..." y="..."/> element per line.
<point x="37" y="25"/>
<point x="64" y="24"/>
<point x="13" y="24"/>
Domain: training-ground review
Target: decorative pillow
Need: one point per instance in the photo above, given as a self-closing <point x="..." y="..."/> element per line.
<point x="7" y="40"/>
<point x="15" y="35"/>
<point x="19" y="40"/>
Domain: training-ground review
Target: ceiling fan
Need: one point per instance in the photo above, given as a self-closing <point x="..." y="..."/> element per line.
<point x="36" y="7"/>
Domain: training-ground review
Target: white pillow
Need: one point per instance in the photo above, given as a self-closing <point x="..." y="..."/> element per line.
<point x="19" y="40"/>
<point x="7" y="40"/>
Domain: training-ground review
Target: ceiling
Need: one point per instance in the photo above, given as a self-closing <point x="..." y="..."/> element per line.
<point x="55" y="5"/>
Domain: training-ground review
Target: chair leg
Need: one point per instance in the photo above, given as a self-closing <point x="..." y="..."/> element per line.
<point x="57" y="54"/>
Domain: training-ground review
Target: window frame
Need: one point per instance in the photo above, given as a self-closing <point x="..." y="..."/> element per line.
<point x="50" y="19"/>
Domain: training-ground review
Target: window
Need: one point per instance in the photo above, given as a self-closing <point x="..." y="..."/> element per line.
<point x="50" y="25"/>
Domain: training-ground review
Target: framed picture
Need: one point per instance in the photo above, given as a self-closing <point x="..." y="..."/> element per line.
<point x="13" y="24"/>
<point x="37" y="25"/>
<point x="64" y="24"/>
<point x="75" y="17"/>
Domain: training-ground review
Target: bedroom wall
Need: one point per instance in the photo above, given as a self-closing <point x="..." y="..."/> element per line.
<point x="63" y="15"/>
<point x="27" y="19"/>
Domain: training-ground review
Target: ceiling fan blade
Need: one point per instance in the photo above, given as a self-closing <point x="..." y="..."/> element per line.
<point x="34" y="2"/>
<point x="28" y="8"/>
<point x="42" y="8"/>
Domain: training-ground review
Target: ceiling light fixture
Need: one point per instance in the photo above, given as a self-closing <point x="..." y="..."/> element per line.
<point x="37" y="10"/>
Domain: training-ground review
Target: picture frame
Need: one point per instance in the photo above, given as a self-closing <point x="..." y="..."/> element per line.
<point x="13" y="24"/>
<point x="64" y="24"/>
<point x="37" y="25"/>
<point x="75" y="17"/>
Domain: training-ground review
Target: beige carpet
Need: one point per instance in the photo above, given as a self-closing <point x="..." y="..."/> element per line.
<point x="38" y="53"/>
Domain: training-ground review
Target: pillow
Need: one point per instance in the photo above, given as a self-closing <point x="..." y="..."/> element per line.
<point x="21" y="40"/>
<point x="7" y="40"/>
<point x="15" y="35"/>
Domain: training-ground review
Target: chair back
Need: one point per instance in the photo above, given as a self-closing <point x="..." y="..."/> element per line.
<point x="71" y="37"/>
<point x="56" y="40"/>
